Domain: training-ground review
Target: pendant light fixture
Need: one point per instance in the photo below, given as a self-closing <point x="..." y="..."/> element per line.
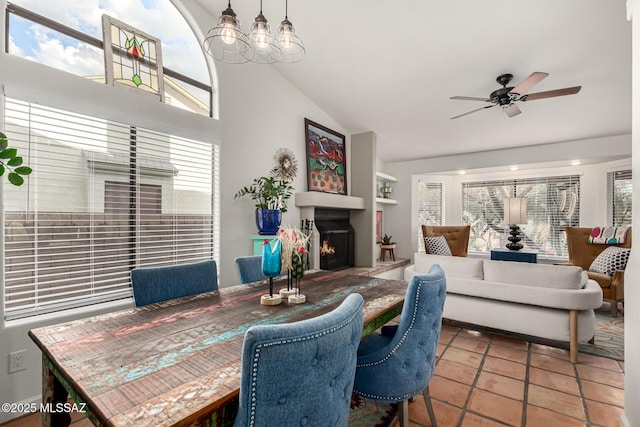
<point x="265" y="46"/>
<point x="291" y="45"/>
<point x="226" y="42"/>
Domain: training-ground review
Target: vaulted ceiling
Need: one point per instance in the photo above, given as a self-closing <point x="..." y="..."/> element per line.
<point x="391" y="67"/>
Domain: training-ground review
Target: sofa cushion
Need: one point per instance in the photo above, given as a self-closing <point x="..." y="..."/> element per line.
<point x="611" y="259"/>
<point x="542" y="275"/>
<point x="453" y="266"/>
<point x="437" y="246"/>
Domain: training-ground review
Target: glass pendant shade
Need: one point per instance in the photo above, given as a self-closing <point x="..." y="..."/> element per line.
<point x="226" y="42"/>
<point x="291" y="45"/>
<point x="265" y="46"/>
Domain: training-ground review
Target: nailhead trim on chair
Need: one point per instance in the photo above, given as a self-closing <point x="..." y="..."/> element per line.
<point x="256" y="358"/>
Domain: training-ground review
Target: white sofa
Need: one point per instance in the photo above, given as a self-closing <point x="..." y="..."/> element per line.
<point x="548" y="301"/>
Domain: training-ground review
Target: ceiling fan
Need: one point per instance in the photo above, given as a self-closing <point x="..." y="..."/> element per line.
<point x="506" y="96"/>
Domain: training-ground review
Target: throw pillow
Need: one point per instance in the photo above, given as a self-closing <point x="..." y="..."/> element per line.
<point x="437" y="246"/>
<point x="611" y="259"/>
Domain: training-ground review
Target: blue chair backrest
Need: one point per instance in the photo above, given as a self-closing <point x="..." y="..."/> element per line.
<point x="250" y="268"/>
<point x="301" y="373"/>
<point x="404" y="367"/>
<point x="156" y="284"/>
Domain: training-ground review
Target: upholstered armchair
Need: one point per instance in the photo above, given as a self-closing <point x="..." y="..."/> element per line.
<point x="398" y="363"/>
<point x="582" y="253"/>
<point x="457" y="237"/>
<point x="301" y="373"/>
<point x="157" y="284"/>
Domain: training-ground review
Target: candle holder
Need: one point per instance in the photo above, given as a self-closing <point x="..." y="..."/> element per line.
<point x="271" y="266"/>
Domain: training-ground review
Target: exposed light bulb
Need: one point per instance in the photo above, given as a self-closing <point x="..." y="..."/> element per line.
<point x="228" y="34"/>
<point x="285" y="40"/>
<point x="261" y="40"/>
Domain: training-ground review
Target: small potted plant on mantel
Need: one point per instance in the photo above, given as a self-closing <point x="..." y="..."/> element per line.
<point x="270" y="195"/>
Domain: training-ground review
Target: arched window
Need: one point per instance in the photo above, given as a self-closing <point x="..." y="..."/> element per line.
<point x="68" y="35"/>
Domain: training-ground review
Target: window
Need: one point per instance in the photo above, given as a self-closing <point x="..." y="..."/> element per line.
<point x="620" y="194"/>
<point x="553" y="204"/>
<point x="104" y="197"/>
<point x="69" y="37"/>
<point x="430" y="201"/>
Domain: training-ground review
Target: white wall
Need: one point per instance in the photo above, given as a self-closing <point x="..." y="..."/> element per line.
<point x="397" y="217"/>
<point x="631" y="415"/>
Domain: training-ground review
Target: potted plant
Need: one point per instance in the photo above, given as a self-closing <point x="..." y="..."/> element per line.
<point x="270" y="195"/>
<point x="386" y="242"/>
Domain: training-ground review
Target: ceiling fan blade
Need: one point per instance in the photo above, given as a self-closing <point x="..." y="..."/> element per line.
<point x="551" y="93"/>
<point x="524" y="86"/>
<point x="511" y="110"/>
<point x="470" y="98"/>
<point x="473" y="111"/>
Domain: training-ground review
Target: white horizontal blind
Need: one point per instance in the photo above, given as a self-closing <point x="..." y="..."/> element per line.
<point x="104" y="198"/>
<point x="621" y="195"/>
<point x="430" y="202"/>
<point x="553" y="203"/>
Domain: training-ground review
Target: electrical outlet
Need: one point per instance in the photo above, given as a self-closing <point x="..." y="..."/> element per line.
<point x="17" y="361"/>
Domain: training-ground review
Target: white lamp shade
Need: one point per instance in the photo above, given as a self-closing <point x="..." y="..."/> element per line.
<point x="515" y="210"/>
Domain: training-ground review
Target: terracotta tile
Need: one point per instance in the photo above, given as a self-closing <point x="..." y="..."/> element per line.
<point x="475" y="335"/>
<point x="505" y="367"/>
<point x="504" y="386"/>
<point x="602" y="414"/>
<point x="465" y="357"/>
<point x="445" y="338"/>
<point x="446" y="415"/>
<point x="552" y="364"/>
<point x="556" y="401"/>
<point x="599" y="375"/>
<point x="471" y="345"/>
<point x="508" y="353"/>
<point x="510" y="342"/>
<point x="540" y="417"/>
<point x="599" y="362"/>
<point x="496" y="407"/>
<point x="448" y="391"/>
<point x="558" y="353"/>
<point x="603" y="393"/>
<point x="555" y="381"/>
<point x="449" y="329"/>
<point x="440" y="349"/>
<point x="457" y="372"/>
<point x="473" y="420"/>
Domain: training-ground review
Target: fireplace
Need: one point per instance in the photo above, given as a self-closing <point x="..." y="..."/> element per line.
<point x="336" y="241"/>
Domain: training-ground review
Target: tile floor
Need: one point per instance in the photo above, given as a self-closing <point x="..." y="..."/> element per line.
<point x="489" y="380"/>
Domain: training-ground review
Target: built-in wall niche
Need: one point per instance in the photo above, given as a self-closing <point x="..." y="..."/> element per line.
<point x="384" y="190"/>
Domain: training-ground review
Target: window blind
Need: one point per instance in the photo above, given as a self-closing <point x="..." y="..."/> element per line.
<point x="104" y="197"/>
<point x="430" y="202"/>
<point x="621" y="192"/>
<point x="553" y="203"/>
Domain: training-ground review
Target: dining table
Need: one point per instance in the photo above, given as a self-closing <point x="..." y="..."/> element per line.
<point x="178" y="362"/>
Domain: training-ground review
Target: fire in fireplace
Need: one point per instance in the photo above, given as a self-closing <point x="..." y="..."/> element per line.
<point x="337" y="237"/>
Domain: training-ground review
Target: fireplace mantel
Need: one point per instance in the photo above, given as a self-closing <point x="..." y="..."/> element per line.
<point x="328" y="200"/>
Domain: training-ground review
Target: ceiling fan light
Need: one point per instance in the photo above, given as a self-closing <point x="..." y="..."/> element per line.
<point x="292" y="47"/>
<point x="226" y="42"/>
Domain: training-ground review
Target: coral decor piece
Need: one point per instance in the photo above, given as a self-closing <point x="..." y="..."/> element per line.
<point x="293" y="241"/>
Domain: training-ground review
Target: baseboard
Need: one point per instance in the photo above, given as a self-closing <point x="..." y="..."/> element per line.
<point x="8" y="416"/>
<point x="624" y="422"/>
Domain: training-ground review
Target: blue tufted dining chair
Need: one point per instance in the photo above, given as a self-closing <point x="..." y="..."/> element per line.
<point x="157" y="284"/>
<point x="249" y="268"/>
<point x="301" y="373"/>
<point x="398" y="363"/>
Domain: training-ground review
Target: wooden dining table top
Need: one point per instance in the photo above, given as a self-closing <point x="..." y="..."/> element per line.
<point x="177" y="362"/>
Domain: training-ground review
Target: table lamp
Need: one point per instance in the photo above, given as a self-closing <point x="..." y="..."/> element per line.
<point x="515" y="212"/>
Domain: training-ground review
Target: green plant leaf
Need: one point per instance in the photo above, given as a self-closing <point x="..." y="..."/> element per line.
<point x="23" y="170"/>
<point x="8" y="153"/>
<point x="1" y="169"/>
<point x="15" y="179"/>
<point x="16" y="161"/>
<point x="3" y="141"/>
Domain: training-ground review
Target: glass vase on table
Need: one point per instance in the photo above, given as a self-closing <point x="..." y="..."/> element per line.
<point x="271" y="266"/>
